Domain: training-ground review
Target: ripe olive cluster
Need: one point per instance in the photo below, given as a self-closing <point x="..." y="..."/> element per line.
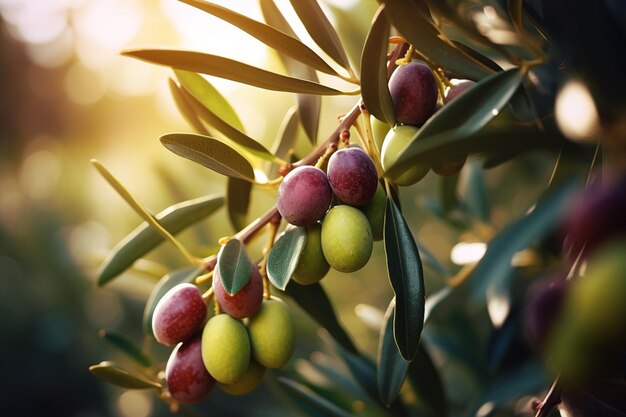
<point x="415" y="97"/>
<point x="342" y="236"/>
<point x="581" y="322"/>
<point x="232" y="349"/>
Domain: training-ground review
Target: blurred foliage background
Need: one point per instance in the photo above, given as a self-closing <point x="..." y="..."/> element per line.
<point x="67" y="96"/>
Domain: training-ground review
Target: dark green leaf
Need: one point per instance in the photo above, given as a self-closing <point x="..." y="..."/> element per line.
<point x="209" y="97"/>
<point x="426" y="381"/>
<point x="407" y="279"/>
<point x="431" y="260"/>
<point x="185" y="108"/>
<point x="309" y="106"/>
<point x="238" y="199"/>
<point x="313" y="300"/>
<point x="487" y="62"/>
<point x="129" y="348"/>
<point x="284" y="256"/>
<point x="144" y="238"/>
<point x="235" y="266"/>
<point x="210" y="153"/>
<point x="231" y="70"/>
<point x="374" y="87"/>
<point x="447" y="191"/>
<point x="273" y="38"/>
<point x="462" y="117"/>
<point x="475" y="192"/>
<point x="418" y="31"/>
<point x="321" y="30"/>
<point x="165" y="284"/>
<point x="496" y="265"/>
<point x="113" y="374"/>
<point x="392" y="367"/>
<point x="205" y="96"/>
<point x="306" y="394"/>
<point x="435" y="300"/>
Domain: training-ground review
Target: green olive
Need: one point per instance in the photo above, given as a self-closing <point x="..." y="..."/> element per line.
<point x="272" y="334"/>
<point x="346" y="238"/>
<point x="225" y="348"/>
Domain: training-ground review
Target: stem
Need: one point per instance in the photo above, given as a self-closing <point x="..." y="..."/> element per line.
<point x="208" y="295"/>
<point x="552" y="398"/>
<point x="204" y="278"/>
<point x="273" y="230"/>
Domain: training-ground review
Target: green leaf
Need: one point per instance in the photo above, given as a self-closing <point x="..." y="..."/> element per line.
<point x="203" y="91"/>
<point x="211" y="153"/>
<point x="426" y="381"/>
<point x="418" y="31"/>
<point x="487" y="62"/>
<point x="407" y="279"/>
<point x="313" y="300"/>
<point x="374" y="85"/>
<point x="129" y="348"/>
<point x="238" y="199"/>
<point x="475" y="193"/>
<point x="113" y="374"/>
<point x="282" y="42"/>
<point x="284" y="256"/>
<point x="321" y="30"/>
<point x="231" y="70"/>
<point x="462" y="117"/>
<point x="144" y="238"/>
<point x="185" y="108"/>
<point x="165" y="284"/>
<point x="306" y="394"/>
<point x="287" y="134"/>
<point x="240" y="140"/>
<point x="235" y="266"/>
<point x="309" y="106"/>
<point x="392" y="368"/>
<point x="496" y="266"/>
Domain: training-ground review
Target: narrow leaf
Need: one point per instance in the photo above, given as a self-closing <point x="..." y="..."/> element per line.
<point x="211" y="153"/>
<point x="309" y="106"/>
<point x="306" y="394"/>
<point x="475" y="192"/>
<point x="321" y="30"/>
<point x="282" y="42"/>
<point x="374" y="86"/>
<point x="144" y="238"/>
<point x="237" y="136"/>
<point x="287" y="134"/>
<point x="464" y="116"/>
<point x="113" y="374"/>
<point x="210" y="97"/>
<point x="418" y="31"/>
<point x="313" y="300"/>
<point x="404" y="268"/>
<point x="515" y="8"/>
<point x="427" y="383"/>
<point x="284" y="256"/>
<point x="231" y="70"/>
<point x="165" y="284"/>
<point x="129" y="348"/>
<point x="185" y="108"/>
<point x="496" y="263"/>
<point x="392" y="368"/>
<point x="235" y="266"/>
<point x="484" y="60"/>
<point x="238" y="199"/>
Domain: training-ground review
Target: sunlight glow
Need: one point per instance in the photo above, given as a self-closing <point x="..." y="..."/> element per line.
<point x="576" y="112"/>
<point x="134" y="404"/>
<point x="464" y="253"/>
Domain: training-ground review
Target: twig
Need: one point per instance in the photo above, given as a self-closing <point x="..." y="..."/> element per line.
<point x="552" y="398"/>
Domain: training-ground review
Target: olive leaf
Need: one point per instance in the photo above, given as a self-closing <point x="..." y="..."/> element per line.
<point x="392" y="368"/>
<point x="309" y="106"/>
<point x="321" y="30"/>
<point x="404" y="268"/>
<point x="427" y="384"/>
<point x="238" y="200"/>
<point x="419" y="32"/>
<point x="211" y="106"/>
<point x="284" y="256"/>
<point x="129" y="348"/>
<point x="185" y="108"/>
<point x="231" y="70"/>
<point x="309" y="396"/>
<point x="459" y="119"/>
<point x="109" y="372"/>
<point x="374" y="87"/>
<point x="165" y="284"/>
<point x="276" y="39"/>
<point x="234" y="265"/>
<point x="144" y="238"/>
<point x="211" y="153"/>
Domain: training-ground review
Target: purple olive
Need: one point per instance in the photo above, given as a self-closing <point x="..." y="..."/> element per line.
<point x="304" y="196"/>
<point x="187" y="378"/>
<point x="414" y="93"/>
<point x="352" y="176"/>
<point x="179" y="315"/>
